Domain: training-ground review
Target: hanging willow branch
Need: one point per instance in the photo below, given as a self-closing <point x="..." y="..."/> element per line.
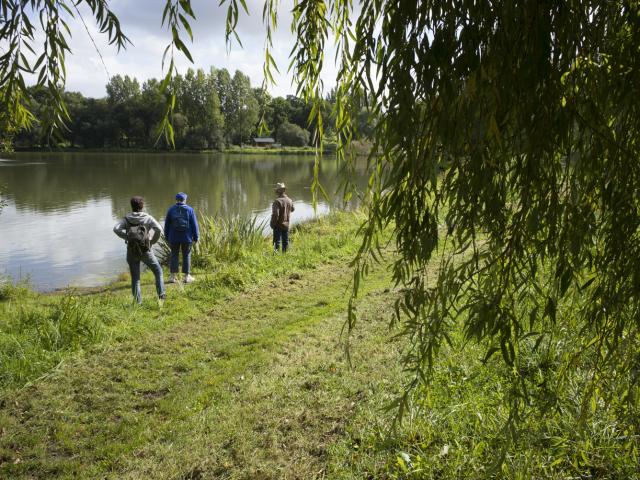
<point x="505" y="145"/>
<point x="20" y="56"/>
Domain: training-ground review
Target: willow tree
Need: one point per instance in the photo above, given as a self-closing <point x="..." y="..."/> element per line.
<point x="505" y="148"/>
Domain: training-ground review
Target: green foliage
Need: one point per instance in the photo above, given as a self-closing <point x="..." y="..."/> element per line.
<point x="13" y="291"/>
<point x="244" y="117"/>
<point x="129" y="116"/>
<point x="198" y="102"/>
<point x="69" y="325"/>
<point x="10" y="122"/>
<point x="22" y="56"/>
<point x="292" y="135"/>
<point x="35" y="339"/>
<point x="535" y="215"/>
<point x="505" y="145"/>
<point x="121" y="90"/>
<point x="456" y="426"/>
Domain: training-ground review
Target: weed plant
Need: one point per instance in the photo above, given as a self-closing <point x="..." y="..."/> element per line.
<point x="14" y="291"/>
<point x="227" y="239"/>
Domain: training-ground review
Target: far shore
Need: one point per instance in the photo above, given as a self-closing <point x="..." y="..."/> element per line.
<point x="235" y="149"/>
<point x="360" y="148"/>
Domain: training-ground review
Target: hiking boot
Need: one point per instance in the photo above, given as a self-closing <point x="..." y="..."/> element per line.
<point x="189" y="279"/>
<point x="173" y="278"/>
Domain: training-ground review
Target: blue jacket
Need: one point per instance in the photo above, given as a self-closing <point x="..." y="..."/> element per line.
<point x="180" y="224"/>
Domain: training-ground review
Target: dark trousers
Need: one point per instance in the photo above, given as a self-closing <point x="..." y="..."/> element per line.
<point x="280" y="235"/>
<point x="186" y="257"/>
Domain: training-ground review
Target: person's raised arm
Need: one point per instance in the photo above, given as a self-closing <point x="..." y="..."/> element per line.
<point x="157" y="230"/>
<point x="120" y="229"/>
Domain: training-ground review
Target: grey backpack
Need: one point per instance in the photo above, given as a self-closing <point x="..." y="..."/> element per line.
<point x="138" y="237"/>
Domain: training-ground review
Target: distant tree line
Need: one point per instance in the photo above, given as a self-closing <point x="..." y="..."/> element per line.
<point x="213" y="110"/>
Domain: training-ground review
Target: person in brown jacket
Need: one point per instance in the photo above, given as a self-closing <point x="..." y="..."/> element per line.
<point x="280" y="216"/>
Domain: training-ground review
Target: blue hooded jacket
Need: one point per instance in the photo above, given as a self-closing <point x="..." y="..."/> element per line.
<point x="180" y="224"/>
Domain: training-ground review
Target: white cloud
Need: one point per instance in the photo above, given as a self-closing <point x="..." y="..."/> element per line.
<point x="141" y="21"/>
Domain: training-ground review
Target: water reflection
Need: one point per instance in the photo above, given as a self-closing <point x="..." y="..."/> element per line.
<point x="56" y="227"/>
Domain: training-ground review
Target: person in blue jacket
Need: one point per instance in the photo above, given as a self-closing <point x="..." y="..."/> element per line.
<point x="181" y="231"/>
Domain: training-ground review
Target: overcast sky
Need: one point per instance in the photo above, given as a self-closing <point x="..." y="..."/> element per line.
<point x="141" y="22"/>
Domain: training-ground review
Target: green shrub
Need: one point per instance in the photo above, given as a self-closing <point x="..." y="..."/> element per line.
<point x="292" y="135"/>
<point x="10" y="290"/>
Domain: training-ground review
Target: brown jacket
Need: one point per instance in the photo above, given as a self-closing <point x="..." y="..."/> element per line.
<point x="281" y="212"/>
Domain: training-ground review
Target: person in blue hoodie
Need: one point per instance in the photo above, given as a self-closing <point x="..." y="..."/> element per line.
<point x="181" y="231"/>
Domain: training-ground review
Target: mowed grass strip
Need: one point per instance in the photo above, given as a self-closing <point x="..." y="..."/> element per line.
<point x="257" y="388"/>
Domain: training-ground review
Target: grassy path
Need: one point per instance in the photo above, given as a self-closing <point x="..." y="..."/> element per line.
<point x="255" y="388"/>
<point x="242" y="376"/>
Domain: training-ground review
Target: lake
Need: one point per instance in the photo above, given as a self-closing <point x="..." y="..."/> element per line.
<point x="60" y="208"/>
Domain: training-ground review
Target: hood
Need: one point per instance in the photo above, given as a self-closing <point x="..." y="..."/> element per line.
<point x="136" y="218"/>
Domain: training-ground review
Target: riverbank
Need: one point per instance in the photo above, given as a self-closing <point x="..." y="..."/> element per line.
<point x="239" y="375"/>
<point x="248" y="150"/>
<point x="49" y="195"/>
<point x="243" y="375"/>
<point x="38" y="331"/>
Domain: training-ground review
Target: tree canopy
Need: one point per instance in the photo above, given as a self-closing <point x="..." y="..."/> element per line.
<point x="128" y="117"/>
<point x="505" y="145"/>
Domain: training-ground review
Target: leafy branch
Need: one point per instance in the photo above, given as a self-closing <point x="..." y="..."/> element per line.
<point x="18" y="34"/>
<point x="175" y="16"/>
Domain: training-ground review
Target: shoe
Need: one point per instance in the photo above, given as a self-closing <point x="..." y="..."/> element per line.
<point x="189" y="279"/>
<point x="172" y="278"/>
<point x="161" y="299"/>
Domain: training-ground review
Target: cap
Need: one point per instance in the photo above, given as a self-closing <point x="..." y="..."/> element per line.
<point x="280" y="186"/>
<point x="181" y="197"/>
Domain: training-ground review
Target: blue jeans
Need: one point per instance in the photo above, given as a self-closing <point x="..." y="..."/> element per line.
<point x="175" y="257"/>
<point x="280" y="234"/>
<point x="149" y="259"/>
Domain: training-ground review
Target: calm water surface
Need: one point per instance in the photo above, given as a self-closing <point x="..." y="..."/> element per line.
<point x="60" y="208"/>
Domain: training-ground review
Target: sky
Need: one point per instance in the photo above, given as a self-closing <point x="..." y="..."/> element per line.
<point x="141" y="22"/>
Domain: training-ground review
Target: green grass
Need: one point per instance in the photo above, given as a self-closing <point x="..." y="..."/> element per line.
<point x="243" y="375"/>
<point x="234" y="388"/>
<point x="12" y="291"/>
<point x="37" y="332"/>
<point x="456" y="429"/>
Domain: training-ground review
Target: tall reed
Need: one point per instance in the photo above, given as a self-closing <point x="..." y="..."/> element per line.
<point x="221" y="240"/>
<point x="227" y="239"/>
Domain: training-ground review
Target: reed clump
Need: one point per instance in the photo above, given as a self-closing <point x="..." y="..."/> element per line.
<point x="221" y="240"/>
